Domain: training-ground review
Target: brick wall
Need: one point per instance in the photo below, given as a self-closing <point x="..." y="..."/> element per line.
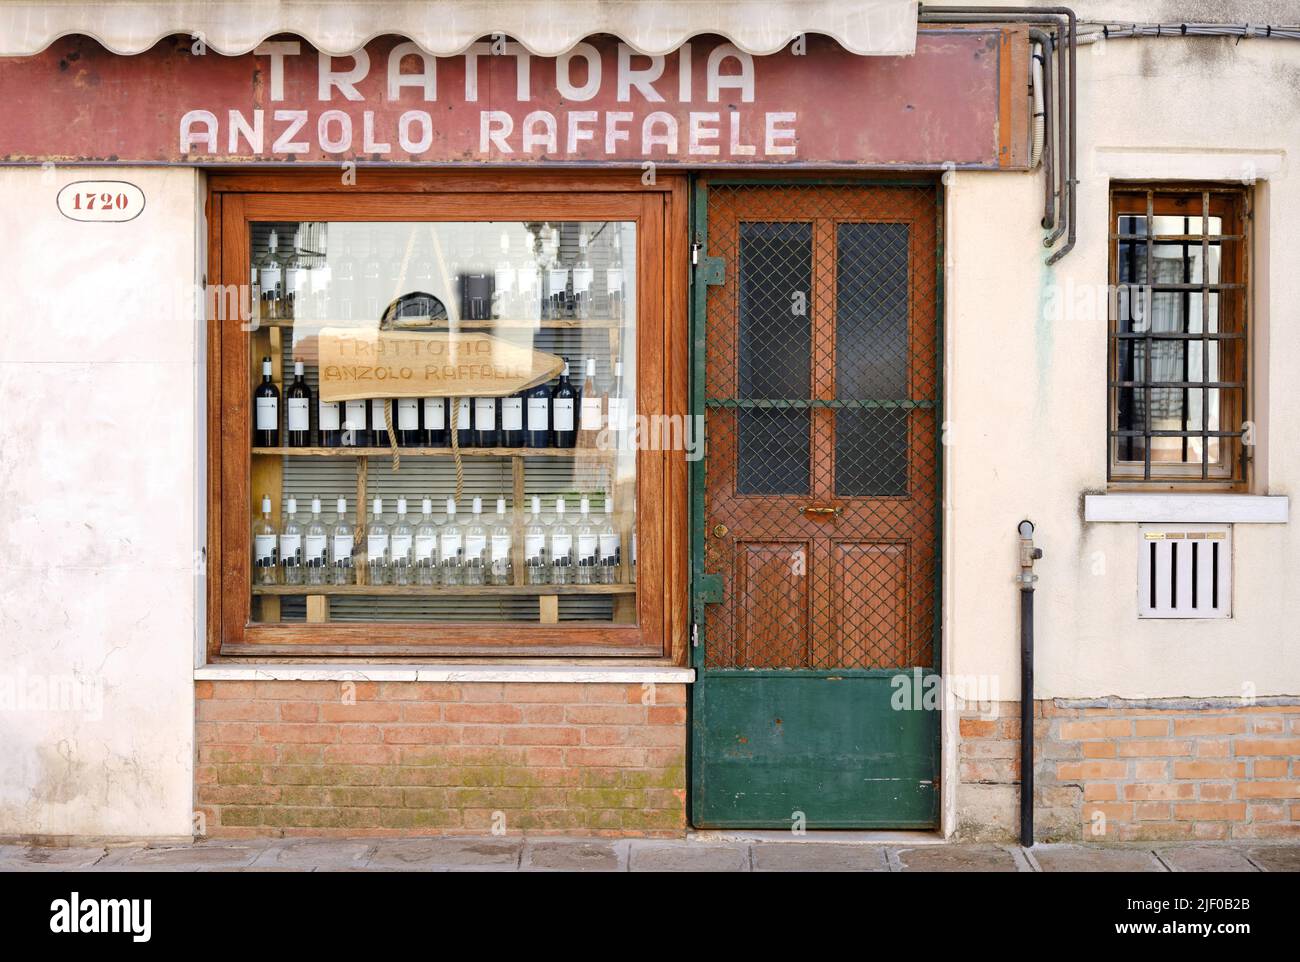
<point x="1116" y="772"/>
<point x="285" y="758"/>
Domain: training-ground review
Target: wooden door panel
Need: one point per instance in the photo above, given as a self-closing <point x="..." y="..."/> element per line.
<point x="770" y="603"/>
<point x="812" y="273"/>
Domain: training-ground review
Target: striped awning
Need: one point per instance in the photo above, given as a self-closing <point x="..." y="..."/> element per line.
<point x="546" y="28"/>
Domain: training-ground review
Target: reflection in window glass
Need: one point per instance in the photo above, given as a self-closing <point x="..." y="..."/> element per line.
<point x="543" y="529"/>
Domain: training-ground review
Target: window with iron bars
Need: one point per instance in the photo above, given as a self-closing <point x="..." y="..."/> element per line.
<point x="1178" y="388"/>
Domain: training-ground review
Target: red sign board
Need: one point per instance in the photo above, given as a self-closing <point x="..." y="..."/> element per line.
<point x="707" y="103"/>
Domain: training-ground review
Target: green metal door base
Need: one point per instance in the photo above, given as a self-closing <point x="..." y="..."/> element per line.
<point x="769" y="747"/>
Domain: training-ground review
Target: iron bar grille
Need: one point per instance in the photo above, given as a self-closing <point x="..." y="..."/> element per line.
<point x="822" y="389"/>
<point x="1177" y="388"/>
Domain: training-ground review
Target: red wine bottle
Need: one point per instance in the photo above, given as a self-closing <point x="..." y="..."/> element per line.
<point x="297" y="403"/>
<point x="463" y="411"/>
<point x="355" y="413"/>
<point x="537" y="417"/>
<point x="564" y="404"/>
<point x="378" y="426"/>
<point x="487" y="411"/>
<point x="435" y="422"/>
<point x="406" y="414"/>
<point x="510" y="430"/>
<point x="266" y="410"/>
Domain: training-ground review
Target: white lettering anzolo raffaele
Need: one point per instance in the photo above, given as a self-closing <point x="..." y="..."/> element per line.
<point x="519" y="132"/>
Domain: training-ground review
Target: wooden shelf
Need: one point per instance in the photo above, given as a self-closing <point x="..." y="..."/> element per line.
<point x="384" y="452"/>
<point x="591" y="323"/>
<point x="444" y="591"/>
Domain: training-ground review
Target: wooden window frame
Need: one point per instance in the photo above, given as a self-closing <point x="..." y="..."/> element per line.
<point x="660" y="211"/>
<point x="1232" y="204"/>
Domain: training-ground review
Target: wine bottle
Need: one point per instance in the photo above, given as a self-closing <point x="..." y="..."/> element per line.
<point x="378" y="425"/>
<point x="435" y="422"/>
<point x="315" y="551"/>
<point x="560" y="547"/>
<point x="538" y="571"/>
<point x="329" y="422"/>
<point x="402" y="546"/>
<point x="355" y="434"/>
<point x="264" y="546"/>
<point x="291" y="545"/>
<point x="617" y="403"/>
<point x="563" y="401"/>
<point x="591" y="416"/>
<point x="451" y="552"/>
<point x="610" y="546"/>
<point x="537" y="414"/>
<point x="501" y="570"/>
<point x="426" y="546"/>
<point x="614" y="279"/>
<point x="476" y="546"/>
<point x="588" y="547"/>
<point x="266" y="407"/>
<point x="464" y="422"/>
<point x="407" y="415"/>
<point x="485" y="422"/>
<point x="582" y="277"/>
<point x="510" y="430"/>
<point x="378" y="545"/>
<point x="503" y="283"/>
<point x="297" y="403"/>
<point x="342" y="547"/>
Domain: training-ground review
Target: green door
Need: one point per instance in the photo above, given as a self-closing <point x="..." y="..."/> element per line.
<point x="816" y="506"/>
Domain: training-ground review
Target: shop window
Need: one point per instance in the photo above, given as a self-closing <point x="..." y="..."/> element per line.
<point x="1178" y="389"/>
<point x="434" y="424"/>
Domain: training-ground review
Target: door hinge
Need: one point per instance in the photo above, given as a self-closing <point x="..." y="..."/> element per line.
<point x="695" y="635"/>
<point x="696" y="247"/>
<point x="708" y="589"/>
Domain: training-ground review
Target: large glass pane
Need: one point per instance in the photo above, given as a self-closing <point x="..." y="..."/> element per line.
<point x="775" y="352"/>
<point x="498" y="360"/>
<point x="871" y="359"/>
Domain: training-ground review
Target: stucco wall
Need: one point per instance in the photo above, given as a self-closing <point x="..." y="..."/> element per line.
<point x="98" y="504"/>
<point x="1027" y="395"/>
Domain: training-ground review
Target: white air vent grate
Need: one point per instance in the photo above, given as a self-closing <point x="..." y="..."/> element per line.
<point x="1184" y="571"/>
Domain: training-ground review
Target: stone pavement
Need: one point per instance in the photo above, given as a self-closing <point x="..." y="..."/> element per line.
<point x="761" y="852"/>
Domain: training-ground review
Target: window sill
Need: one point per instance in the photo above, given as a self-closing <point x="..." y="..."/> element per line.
<point x="532" y="674"/>
<point x="1187" y="508"/>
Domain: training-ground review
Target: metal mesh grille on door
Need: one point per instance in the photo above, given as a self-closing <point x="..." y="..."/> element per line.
<point x="822" y="403"/>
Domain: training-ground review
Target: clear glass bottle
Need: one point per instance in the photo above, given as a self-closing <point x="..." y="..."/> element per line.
<point x="535" y="561"/>
<point x="610" y="546"/>
<point x="560" y="547"/>
<point x="342" y="547"/>
<point x="426" y="546"/>
<point x="291" y="545"/>
<point x="451" y="548"/>
<point x="476" y="546"/>
<point x="315" y="547"/>
<point x="528" y="286"/>
<point x="582" y="275"/>
<point x="402" y="547"/>
<point x="501" y="567"/>
<point x="590" y="407"/>
<point x="291" y="274"/>
<point x="614" y="278"/>
<point x="587" y="545"/>
<point x="557" y="280"/>
<point x="377" y="545"/>
<point x="264" y="546"/>
<point x="270" y="278"/>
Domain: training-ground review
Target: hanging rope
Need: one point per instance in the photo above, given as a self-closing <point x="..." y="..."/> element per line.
<point x="392" y="435"/>
<point x="453" y="428"/>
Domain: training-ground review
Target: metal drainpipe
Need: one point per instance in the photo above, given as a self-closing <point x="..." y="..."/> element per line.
<point x="1066" y="157"/>
<point x="1044" y="40"/>
<point x="1028" y="555"/>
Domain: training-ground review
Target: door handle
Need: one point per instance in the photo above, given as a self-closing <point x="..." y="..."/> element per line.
<point x="819" y="509"/>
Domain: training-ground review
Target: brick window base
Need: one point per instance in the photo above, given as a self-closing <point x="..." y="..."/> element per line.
<point x="1111" y="770"/>
<point x="394" y="758"/>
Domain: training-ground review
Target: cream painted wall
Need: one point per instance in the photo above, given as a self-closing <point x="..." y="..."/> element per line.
<point x="98" y="454"/>
<point x="1026" y="383"/>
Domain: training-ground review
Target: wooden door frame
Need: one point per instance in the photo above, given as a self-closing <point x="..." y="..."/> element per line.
<point x="661" y="210"/>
